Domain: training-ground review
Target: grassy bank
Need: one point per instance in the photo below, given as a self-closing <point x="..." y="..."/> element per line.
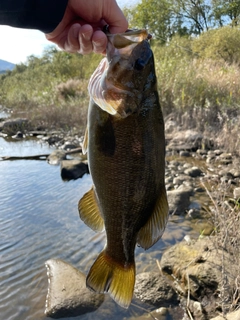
<point x="198" y="82"/>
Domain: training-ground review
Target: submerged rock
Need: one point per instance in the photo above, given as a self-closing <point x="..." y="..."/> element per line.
<point x="67" y="292"/>
<point x="179" y="200"/>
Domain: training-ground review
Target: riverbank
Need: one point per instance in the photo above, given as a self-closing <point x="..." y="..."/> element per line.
<point x="203" y="185"/>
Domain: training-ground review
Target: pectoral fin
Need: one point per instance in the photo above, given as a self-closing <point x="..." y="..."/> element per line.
<point x="85" y="142"/>
<point x="89" y="211"/>
<point x="152" y="231"/>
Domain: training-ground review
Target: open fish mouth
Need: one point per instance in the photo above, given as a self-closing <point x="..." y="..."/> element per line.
<point x="124" y="43"/>
<point x="109" y="86"/>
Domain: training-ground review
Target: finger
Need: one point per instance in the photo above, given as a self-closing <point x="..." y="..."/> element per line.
<point x="72" y="43"/>
<point x="115" y="25"/>
<point x="85" y="39"/>
<point x="99" y="40"/>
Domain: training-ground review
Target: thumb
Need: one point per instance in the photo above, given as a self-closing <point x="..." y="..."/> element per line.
<point x="116" y="20"/>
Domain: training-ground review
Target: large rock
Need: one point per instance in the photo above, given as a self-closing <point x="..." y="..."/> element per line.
<point x="12" y="126"/>
<point x="73" y="169"/>
<point x="67" y="293"/>
<point x="188" y="140"/>
<point x="179" y="200"/>
<point x="154" y="289"/>
<point x="56" y="157"/>
<point x="231" y="316"/>
<point x="201" y="272"/>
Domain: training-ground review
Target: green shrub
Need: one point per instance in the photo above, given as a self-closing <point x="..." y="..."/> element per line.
<point x="222" y="43"/>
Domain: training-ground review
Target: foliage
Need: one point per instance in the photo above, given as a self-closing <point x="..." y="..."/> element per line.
<point x="196" y="15"/>
<point x="226" y="10"/>
<point x="223" y="43"/>
<point x="187" y="82"/>
<point x="36" y="82"/>
<point x="165" y="18"/>
<point x="156" y="16"/>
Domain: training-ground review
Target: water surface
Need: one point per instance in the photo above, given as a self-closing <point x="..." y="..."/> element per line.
<point x="39" y="221"/>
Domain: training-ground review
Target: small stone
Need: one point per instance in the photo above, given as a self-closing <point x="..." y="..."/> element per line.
<point x="193" y="172"/>
<point x="210" y="159"/>
<point x="184" y="154"/>
<point x="201" y="152"/>
<point x="235" y="173"/>
<point x="179" y="180"/>
<point x="218" y="152"/>
<point x="226" y="156"/>
<point x="18" y="135"/>
<point x="236" y="193"/>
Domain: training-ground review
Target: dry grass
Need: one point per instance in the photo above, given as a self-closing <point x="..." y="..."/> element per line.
<point x="73" y="88"/>
<point x="71" y="117"/>
<point x="225" y="213"/>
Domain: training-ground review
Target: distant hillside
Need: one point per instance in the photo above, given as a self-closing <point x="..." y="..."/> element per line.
<point x="5" y="65"/>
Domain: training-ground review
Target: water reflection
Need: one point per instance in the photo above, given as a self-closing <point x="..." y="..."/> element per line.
<point x="38" y="221"/>
<point x="20" y="148"/>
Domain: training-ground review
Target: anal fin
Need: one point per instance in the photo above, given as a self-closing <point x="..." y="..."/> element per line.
<point x="152" y="231"/>
<point x="107" y="275"/>
<point x="89" y="211"/>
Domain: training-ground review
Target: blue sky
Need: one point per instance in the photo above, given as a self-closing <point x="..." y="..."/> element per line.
<point x="18" y="44"/>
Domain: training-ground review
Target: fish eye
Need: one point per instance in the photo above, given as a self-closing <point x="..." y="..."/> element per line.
<point x="139" y="64"/>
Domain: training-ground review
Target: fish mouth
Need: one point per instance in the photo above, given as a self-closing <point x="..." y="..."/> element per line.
<point x="122" y="44"/>
<point x="109" y="86"/>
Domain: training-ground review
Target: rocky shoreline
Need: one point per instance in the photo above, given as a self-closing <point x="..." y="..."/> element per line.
<point x="197" y="277"/>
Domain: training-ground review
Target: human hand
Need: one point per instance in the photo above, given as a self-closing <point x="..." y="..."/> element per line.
<point x="81" y="27"/>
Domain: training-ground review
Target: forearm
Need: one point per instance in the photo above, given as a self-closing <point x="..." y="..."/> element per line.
<point x="43" y="15"/>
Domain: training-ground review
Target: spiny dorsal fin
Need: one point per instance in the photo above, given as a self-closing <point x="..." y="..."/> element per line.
<point x="89" y="211"/>
<point x="85" y="142"/>
<point x="107" y="275"/>
<point x="152" y="231"/>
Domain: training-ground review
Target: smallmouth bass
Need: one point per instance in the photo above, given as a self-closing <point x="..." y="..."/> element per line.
<point x="126" y="154"/>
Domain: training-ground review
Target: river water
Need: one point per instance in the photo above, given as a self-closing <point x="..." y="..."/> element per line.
<point x="39" y="221"/>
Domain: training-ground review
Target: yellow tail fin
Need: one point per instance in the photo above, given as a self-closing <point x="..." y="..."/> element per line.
<point x="106" y="275"/>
